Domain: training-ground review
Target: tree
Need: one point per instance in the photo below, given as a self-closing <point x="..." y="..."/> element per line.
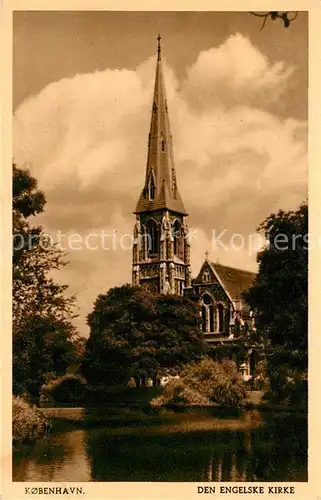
<point x="136" y="333"/>
<point x="42" y="330"/>
<point x="286" y="16"/>
<point x="279" y="295"/>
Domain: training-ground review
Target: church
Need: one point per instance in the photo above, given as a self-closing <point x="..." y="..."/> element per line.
<point x="161" y="248"/>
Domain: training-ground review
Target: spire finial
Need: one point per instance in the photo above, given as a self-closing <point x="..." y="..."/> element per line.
<point x="159" y="46"/>
<point x="206" y="255"/>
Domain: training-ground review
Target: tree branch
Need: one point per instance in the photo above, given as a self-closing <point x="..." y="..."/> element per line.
<point x="276" y="15"/>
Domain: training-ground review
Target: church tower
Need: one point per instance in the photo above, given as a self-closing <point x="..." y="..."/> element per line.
<point x="161" y="256"/>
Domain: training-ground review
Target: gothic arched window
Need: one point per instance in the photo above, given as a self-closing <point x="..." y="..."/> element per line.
<point x="208" y="314"/>
<point x="163" y="143"/>
<point x="227" y="318"/>
<point x="152" y="238"/>
<point x="212" y="322"/>
<point x="151" y="187"/>
<point x="204" y="325"/>
<point x="177" y="230"/>
<point x="220" y="310"/>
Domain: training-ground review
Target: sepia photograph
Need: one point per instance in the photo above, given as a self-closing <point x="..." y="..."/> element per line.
<point x="160" y="248"/>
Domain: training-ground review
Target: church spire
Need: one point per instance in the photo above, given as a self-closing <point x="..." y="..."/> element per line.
<point x="159" y="47"/>
<point x="160" y="190"/>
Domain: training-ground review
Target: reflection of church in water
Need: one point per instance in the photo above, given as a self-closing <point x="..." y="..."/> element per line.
<point x="161" y="250"/>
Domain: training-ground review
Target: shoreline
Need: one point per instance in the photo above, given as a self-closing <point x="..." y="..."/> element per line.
<point x="66" y="419"/>
<point x="105" y="414"/>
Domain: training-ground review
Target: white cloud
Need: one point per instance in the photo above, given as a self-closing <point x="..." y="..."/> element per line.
<point x="85" y="139"/>
<point x="235" y="72"/>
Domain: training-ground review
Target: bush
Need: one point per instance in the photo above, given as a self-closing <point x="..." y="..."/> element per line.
<point x="292" y="390"/>
<point x="27" y="422"/>
<point x="69" y="388"/>
<point x="298" y="394"/>
<point x="260" y="382"/>
<point x="257" y="383"/>
<point x="220" y="382"/>
<point x="204" y="383"/>
<point x="178" y="393"/>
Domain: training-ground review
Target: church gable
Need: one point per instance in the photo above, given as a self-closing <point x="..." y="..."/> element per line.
<point x="207" y="282"/>
<point x="226" y="282"/>
<point x="206" y="275"/>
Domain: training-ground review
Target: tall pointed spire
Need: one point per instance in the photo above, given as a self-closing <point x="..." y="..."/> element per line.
<point x="160" y="190"/>
<point x="159" y="47"/>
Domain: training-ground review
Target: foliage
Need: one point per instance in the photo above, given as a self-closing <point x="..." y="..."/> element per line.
<point x="42" y="346"/>
<point x="293" y="392"/>
<point x="136" y="333"/>
<point x="220" y="382"/>
<point x="260" y="382"/>
<point x="69" y="388"/>
<point x="205" y="382"/>
<point x="176" y="392"/>
<point x="79" y="348"/>
<point x="279" y="296"/>
<point x="27" y="422"/>
<point x="43" y="334"/>
<point x="288" y="381"/>
<point x="35" y="293"/>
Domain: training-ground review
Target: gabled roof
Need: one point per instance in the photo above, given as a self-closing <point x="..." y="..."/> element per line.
<point x="160" y="161"/>
<point x="235" y="281"/>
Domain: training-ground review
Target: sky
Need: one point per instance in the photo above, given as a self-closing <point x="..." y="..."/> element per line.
<point x="82" y="96"/>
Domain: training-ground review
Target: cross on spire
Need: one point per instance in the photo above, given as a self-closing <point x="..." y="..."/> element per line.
<point x="206" y="255"/>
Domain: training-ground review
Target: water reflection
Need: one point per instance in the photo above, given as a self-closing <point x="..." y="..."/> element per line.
<point x="173" y="447"/>
<point x="58" y="457"/>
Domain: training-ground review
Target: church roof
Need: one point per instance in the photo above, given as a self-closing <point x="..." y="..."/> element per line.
<point x="160" y="168"/>
<point x="234" y="281"/>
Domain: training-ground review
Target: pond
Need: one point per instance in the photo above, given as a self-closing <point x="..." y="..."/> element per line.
<point x="189" y="446"/>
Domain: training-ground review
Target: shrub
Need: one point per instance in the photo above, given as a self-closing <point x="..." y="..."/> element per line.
<point x="27" y="422"/>
<point x="292" y="389"/>
<point x="220" y="382"/>
<point x="69" y="388"/>
<point x="298" y="394"/>
<point x="260" y="382"/>
<point x="203" y="383"/>
<point x="178" y="393"/>
<point x="257" y="383"/>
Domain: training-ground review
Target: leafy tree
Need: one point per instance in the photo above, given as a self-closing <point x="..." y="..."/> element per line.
<point x="280" y="294"/>
<point x="136" y="333"/>
<point x="42" y="331"/>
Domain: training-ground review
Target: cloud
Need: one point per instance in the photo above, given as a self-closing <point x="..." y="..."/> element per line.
<point x="85" y="139"/>
<point x="235" y="72"/>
